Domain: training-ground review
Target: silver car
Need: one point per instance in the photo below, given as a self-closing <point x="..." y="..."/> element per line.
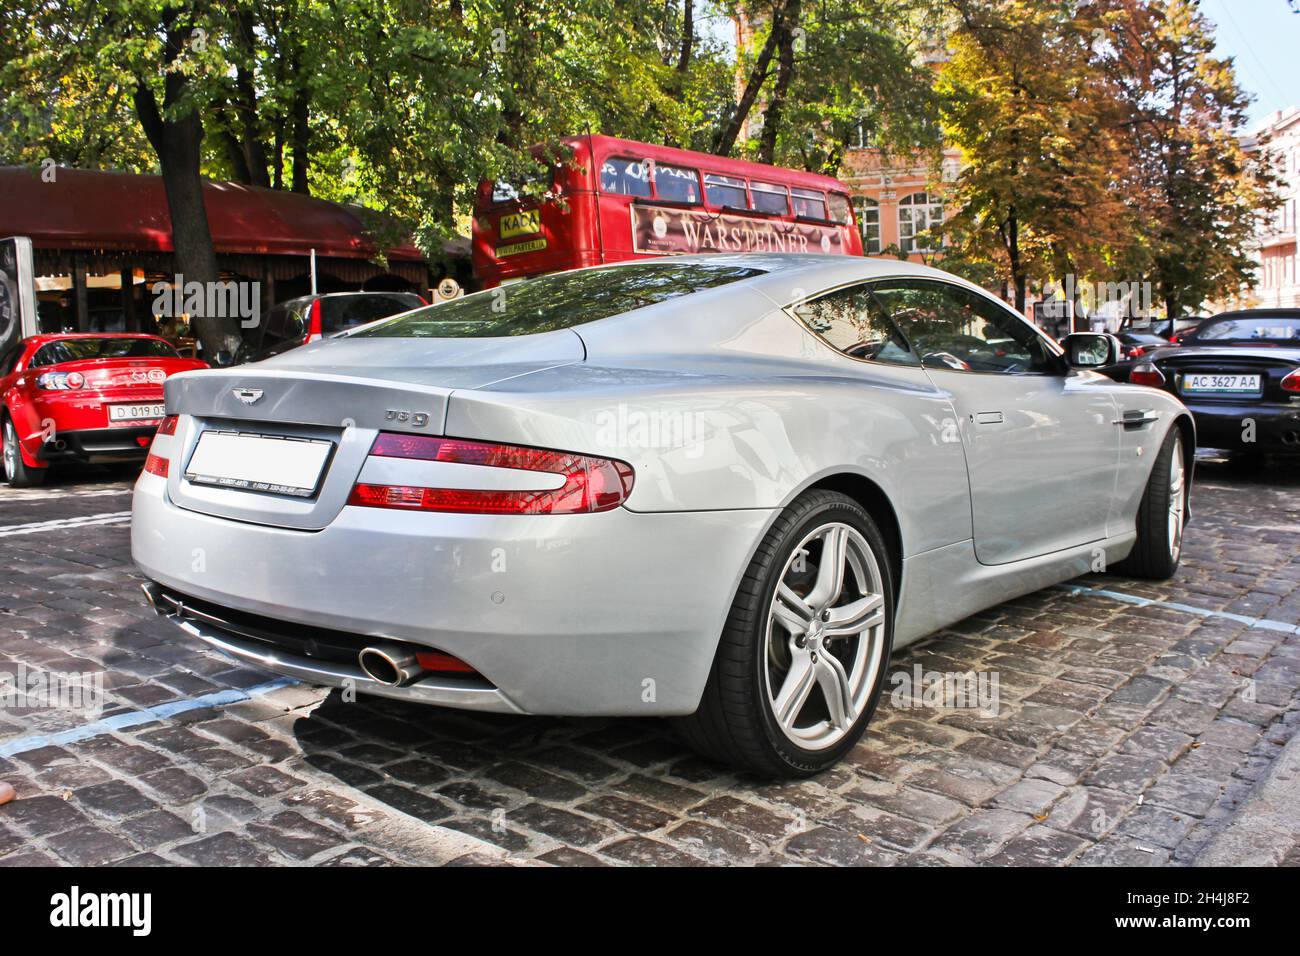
<point x="721" y="489"/>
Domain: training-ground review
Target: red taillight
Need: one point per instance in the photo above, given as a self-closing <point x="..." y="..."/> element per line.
<point x="437" y="661"/>
<point x="1144" y="373"/>
<point x="76" y="380"/>
<point x="590" y="484"/>
<point x="168" y="426"/>
<point x="1136" y="351"/>
<point x="156" y="466"/>
<point x="1292" y="382"/>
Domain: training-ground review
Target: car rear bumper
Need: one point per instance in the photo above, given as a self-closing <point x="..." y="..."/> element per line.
<point x="614" y="613"/>
<point x="98" y="445"/>
<point x="1247" y="427"/>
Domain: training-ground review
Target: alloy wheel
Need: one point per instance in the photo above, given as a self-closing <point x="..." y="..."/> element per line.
<point x="10" y="451"/>
<point x="825" y="636"/>
<point x="1177" y="499"/>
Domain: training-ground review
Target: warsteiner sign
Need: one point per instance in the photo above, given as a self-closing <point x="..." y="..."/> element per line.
<point x="661" y="230"/>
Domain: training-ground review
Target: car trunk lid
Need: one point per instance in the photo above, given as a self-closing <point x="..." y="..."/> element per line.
<point x="1185" y="368"/>
<point x="342" y="392"/>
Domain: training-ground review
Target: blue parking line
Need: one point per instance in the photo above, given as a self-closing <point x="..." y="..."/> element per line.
<point x="1262" y="623"/>
<point x="133" y="718"/>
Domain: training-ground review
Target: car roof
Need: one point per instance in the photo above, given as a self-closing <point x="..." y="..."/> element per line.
<point x="47" y="337"/>
<point x="312" y="296"/>
<point x="790" y="276"/>
<point x="1262" y="313"/>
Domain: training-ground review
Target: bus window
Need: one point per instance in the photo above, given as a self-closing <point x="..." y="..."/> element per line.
<point x="677" y="183"/>
<point x="725" y="191"/>
<point x="628" y="177"/>
<point x="770" y="198"/>
<point x="841" y="210"/>
<point x="809" y="203"/>
<point x="504" y="190"/>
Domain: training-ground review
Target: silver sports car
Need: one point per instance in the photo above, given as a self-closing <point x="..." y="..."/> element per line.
<point x="716" y="488"/>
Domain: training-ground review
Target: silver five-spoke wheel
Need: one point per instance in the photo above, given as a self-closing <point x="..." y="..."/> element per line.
<point x="1177" y="500"/>
<point x="825" y="636"/>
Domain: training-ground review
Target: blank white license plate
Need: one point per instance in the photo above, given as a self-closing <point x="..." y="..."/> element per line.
<point x="136" y="413"/>
<point x="267" y="463"/>
<point x="1225" y="384"/>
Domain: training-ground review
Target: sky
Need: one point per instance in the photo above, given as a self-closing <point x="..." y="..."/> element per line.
<point x="1263" y="37"/>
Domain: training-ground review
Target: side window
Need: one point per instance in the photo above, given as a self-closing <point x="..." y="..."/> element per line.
<point x="770" y="198"/>
<point x="725" y="191"/>
<point x="809" y="203"/>
<point x="852" y="322"/>
<point x="618" y="174"/>
<point x="840" y="208"/>
<point x="957" y="329"/>
<point x="677" y="184"/>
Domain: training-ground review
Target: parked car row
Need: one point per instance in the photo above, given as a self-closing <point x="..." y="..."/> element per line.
<point x="1239" y="375"/>
<point x="91" y="398"/>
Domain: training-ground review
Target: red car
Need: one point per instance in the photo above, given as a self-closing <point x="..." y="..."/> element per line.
<point x="94" y="398"/>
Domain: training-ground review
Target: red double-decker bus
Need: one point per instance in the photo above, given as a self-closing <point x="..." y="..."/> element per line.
<point x="616" y="199"/>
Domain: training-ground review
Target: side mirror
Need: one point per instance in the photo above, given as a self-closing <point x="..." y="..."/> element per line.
<point x="1090" y="349"/>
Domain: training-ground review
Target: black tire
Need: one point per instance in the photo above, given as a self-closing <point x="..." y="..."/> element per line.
<point x="735" y="723"/>
<point x="1156" y="553"/>
<point x="16" y="471"/>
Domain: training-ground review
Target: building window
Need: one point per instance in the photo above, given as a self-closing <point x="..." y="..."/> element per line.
<point x="869" y="223"/>
<point x="917" y="215"/>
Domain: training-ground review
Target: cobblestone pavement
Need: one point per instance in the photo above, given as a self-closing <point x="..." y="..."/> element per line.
<point x="1128" y="732"/>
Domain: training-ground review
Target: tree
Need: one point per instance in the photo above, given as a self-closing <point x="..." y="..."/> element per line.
<point x="814" y="74"/>
<point x="1027" y="102"/>
<point x="1200" y="198"/>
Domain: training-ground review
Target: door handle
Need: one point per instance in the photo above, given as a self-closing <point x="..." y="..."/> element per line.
<point x="1137" y="419"/>
<point x="987" y="418"/>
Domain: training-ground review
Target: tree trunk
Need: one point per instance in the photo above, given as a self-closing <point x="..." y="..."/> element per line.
<point x="252" y="146"/>
<point x="725" y="141"/>
<point x="784" y="72"/>
<point x="178" y="142"/>
<point x="1013" y="259"/>
<point x="688" y="36"/>
<point x="301" y="133"/>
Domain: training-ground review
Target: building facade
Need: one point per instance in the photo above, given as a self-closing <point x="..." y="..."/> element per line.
<point x="898" y="201"/>
<point x="1277" y="283"/>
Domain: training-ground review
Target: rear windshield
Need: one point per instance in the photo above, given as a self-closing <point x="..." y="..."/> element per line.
<point x="73" y="350"/>
<point x="1248" y="328"/>
<point x="558" y="301"/>
<point x="349" y="311"/>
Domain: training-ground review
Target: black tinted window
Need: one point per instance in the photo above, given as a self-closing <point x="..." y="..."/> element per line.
<point x="347" y="312"/>
<point x="955" y="328"/>
<point x="72" y="350"/>
<point x="1244" y="328"/>
<point x="852" y="321"/>
<point x="558" y="301"/>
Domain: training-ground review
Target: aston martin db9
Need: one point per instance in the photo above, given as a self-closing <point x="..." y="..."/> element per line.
<point x="721" y="489"/>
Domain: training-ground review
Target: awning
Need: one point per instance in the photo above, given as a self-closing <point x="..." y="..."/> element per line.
<point x="109" y="211"/>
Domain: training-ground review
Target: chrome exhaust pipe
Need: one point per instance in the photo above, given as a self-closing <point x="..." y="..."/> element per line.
<point x="151" y="595"/>
<point x="390" y="664"/>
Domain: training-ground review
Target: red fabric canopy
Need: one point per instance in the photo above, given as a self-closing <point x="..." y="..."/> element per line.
<point x="91" y="209"/>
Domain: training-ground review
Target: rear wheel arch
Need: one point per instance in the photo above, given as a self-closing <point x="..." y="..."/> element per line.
<point x="1187" y="427"/>
<point x="874" y="500"/>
